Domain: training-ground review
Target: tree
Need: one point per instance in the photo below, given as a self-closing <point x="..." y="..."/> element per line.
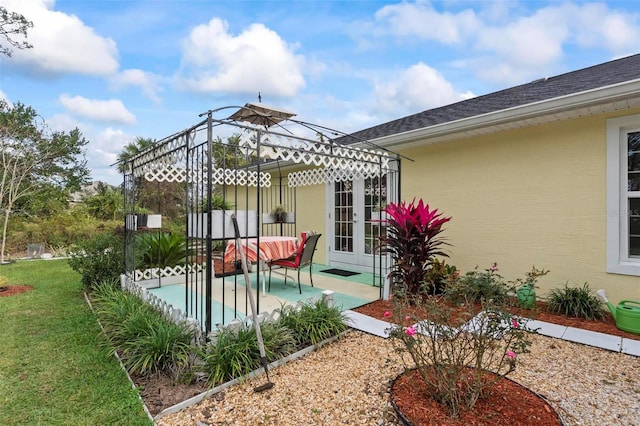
<point x="34" y="159"/>
<point x="107" y="203"/>
<point x="138" y="145"/>
<point x="13" y="24"/>
<point x="160" y="197"/>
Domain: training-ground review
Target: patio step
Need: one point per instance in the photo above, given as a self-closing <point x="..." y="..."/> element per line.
<point x="608" y="342"/>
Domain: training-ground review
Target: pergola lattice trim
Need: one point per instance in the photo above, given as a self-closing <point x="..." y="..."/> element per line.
<point x="171" y="173"/>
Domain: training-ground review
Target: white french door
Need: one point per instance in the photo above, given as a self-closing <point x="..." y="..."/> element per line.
<point x="353" y="237"/>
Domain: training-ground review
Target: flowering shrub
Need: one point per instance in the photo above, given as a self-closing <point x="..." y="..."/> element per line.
<point x="477" y="286"/>
<point x="454" y="362"/>
<point x="488" y="286"/>
<point x="413" y="239"/>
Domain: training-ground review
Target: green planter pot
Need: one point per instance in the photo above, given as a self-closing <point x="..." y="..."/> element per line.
<point x="526" y="297"/>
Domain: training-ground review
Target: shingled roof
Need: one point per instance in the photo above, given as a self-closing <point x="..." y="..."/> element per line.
<point x="586" y="79"/>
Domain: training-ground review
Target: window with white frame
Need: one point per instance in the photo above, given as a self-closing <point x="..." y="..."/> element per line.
<point x="623" y="195"/>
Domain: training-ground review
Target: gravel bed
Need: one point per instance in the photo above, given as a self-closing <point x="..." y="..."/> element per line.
<point x="347" y="383"/>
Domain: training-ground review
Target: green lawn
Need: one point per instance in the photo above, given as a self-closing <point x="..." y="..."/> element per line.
<point x="53" y="370"/>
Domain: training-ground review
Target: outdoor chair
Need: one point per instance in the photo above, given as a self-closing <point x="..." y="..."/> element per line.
<point x="302" y="258"/>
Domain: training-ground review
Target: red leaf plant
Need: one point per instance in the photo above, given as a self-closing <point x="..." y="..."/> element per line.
<point x="413" y="240"/>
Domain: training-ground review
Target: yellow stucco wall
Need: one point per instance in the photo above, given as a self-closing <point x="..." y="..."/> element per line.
<point x="310" y="215"/>
<point x="521" y="198"/>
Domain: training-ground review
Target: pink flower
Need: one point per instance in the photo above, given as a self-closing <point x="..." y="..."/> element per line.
<point x="494" y="267"/>
<point x="410" y="331"/>
<point x="387" y="314"/>
<point x="515" y="323"/>
<point x="511" y="354"/>
<point x="456" y="273"/>
<point x="407" y="318"/>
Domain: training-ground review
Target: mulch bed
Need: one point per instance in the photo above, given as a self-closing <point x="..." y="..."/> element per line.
<point x="376" y="309"/>
<point x="508" y="403"/>
<point x="12" y="290"/>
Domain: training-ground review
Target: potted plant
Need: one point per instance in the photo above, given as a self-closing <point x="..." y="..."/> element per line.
<point x="279" y="214"/>
<point x="526" y="290"/>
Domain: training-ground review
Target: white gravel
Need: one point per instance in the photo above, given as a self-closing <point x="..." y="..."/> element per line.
<point x="347" y="383"/>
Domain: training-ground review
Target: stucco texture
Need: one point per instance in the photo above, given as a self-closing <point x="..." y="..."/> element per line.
<point x="310" y="215"/>
<point x="521" y="198"/>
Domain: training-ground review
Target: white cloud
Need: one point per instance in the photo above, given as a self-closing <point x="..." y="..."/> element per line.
<point x="421" y="20"/>
<point x="63" y="123"/>
<point x="148" y="83"/>
<point x="417" y="88"/>
<point x="62" y="43"/>
<point x="530" y="47"/>
<point x="111" y="111"/>
<point x="510" y="44"/>
<point x="105" y="147"/>
<point x="528" y="41"/>
<point x="256" y="60"/>
<point x="597" y="26"/>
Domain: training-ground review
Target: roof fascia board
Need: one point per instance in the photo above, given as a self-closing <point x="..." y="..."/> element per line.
<point x="535" y="109"/>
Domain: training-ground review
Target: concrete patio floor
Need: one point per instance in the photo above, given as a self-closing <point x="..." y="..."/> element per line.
<point x="233" y="302"/>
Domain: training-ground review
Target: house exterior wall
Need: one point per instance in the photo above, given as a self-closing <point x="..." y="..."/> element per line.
<point x="534" y="196"/>
<point x="311" y="214"/>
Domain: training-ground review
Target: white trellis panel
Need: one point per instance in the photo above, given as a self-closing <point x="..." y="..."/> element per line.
<point x="321" y="176"/>
<point x="171" y="173"/>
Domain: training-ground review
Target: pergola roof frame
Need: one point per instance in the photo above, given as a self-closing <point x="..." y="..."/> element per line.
<point x="326" y="158"/>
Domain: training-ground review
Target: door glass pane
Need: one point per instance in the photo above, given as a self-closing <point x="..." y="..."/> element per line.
<point x="375" y="198"/>
<point x="343" y="217"/>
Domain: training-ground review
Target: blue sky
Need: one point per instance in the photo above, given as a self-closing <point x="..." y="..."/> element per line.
<point x="118" y="69"/>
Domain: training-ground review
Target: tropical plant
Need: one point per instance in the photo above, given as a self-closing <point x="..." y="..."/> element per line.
<point x="234" y="352"/>
<point x="133" y="148"/>
<point x="413" y="240"/>
<point x="312" y="323"/>
<point x="458" y="366"/>
<point x="279" y="214"/>
<point x="437" y="276"/>
<point x="578" y="302"/>
<point x="160" y="346"/>
<point x="218" y="202"/>
<point x="162" y="249"/>
<point x="147" y="342"/>
<point x="98" y="258"/>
